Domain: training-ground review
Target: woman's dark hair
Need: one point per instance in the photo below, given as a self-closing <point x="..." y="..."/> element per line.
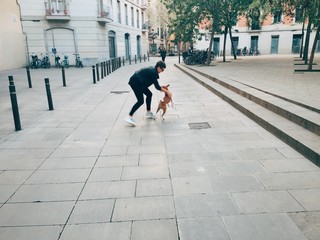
<point x="160" y="64"/>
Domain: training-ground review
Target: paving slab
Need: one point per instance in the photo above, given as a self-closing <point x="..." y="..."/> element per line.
<point x="112" y="231"/>
<point x="262" y="227"/>
<point x="155" y="230"/>
<point x="81" y="172"/>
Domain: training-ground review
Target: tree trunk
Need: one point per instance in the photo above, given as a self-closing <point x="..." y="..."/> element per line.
<point x="234" y="51"/>
<point x="302" y="34"/>
<point x="306" y="47"/>
<point x="224" y="43"/>
<point x="179" y="52"/>
<point x="210" y="47"/>
<point x="313" y="49"/>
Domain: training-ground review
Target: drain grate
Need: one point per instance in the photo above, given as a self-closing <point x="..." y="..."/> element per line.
<point x="199" y="125"/>
<point x="119" y="92"/>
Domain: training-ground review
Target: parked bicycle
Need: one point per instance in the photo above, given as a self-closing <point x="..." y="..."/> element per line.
<point x="245" y="51"/>
<point x="57" y="61"/>
<point x="78" y="61"/>
<point x="35" y="61"/>
<point x="242" y="51"/>
<point x="45" y="62"/>
<point x="254" y="52"/>
<point x="196" y="57"/>
<point x="65" y="61"/>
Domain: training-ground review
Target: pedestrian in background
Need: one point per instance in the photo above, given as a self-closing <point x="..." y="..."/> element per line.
<point x="140" y="82"/>
<point x="163" y="54"/>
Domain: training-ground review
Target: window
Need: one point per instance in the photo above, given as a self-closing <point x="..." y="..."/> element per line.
<point x="138" y="19"/>
<point x="56" y="7"/>
<point x="126" y="13"/>
<point x="119" y="12"/>
<point x="255" y="19"/>
<point x="112" y="44"/>
<point x="299" y="14"/>
<point x="132" y="17"/>
<point x="277" y="16"/>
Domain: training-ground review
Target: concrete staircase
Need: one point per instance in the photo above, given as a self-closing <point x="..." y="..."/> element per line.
<point x="295" y="123"/>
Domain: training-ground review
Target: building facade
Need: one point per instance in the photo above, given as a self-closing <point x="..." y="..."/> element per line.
<point x="97" y="30"/>
<point x="158" y="26"/>
<point x="276" y="35"/>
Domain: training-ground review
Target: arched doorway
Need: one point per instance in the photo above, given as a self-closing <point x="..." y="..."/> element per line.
<point x="139" y="45"/>
<point x="127" y="45"/>
<point x="112" y="44"/>
<point x="63" y="41"/>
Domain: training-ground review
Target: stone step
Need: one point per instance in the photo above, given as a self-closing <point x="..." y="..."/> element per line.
<point x="295" y="125"/>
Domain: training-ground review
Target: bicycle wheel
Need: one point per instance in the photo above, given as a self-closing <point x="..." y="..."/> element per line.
<point x="38" y="63"/>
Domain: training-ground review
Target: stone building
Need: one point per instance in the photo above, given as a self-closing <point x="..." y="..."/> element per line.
<point x="97" y="30"/>
<point x="275" y="35"/>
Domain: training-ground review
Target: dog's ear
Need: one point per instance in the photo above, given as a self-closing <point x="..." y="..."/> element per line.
<point x="168" y="85"/>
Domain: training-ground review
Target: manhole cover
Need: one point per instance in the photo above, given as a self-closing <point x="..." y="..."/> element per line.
<point x="199" y="125"/>
<point x="119" y="92"/>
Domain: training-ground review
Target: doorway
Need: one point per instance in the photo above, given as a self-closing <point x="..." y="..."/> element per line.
<point x="139" y="45"/>
<point x="296" y="42"/>
<point x="127" y="45"/>
<point x="112" y="44"/>
<point x="254" y="43"/>
<point x="274" y="44"/>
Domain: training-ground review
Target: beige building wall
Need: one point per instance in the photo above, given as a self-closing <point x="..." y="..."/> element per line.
<point x="12" y="39"/>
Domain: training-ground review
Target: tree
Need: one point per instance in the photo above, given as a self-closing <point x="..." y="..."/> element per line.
<point x="311" y="15"/>
<point x="183" y="17"/>
<point x="231" y="10"/>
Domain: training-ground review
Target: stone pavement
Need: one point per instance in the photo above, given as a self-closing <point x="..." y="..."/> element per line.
<point x="79" y="172"/>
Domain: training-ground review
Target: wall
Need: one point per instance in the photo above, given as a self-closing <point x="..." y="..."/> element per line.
<point x="12" y="40"/>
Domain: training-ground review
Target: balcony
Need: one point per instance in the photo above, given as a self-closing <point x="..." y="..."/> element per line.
<point x="57" y="10"/>
<point x="144" y="5"/>
<point x="104" y="14"/>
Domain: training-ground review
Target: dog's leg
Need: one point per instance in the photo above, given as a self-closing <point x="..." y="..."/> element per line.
<point x="164" y="111"/>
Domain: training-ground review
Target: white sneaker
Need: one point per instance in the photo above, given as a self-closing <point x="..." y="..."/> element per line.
<point x="130" y="121"/>
<point x="150" y="115"/>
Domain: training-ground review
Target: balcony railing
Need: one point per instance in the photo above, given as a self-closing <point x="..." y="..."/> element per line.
<point x="57" y="10"/>
<point x="144" y="5"/>
<point x="104" y="14"/>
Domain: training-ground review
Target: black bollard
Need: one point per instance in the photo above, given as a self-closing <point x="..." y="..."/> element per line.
<point x="148" y="57"/>
<point x="144" y="57"/>
<point x="11" y="82"/>
<point x="50" y="103"/>
<point x="29" y="77"/>
<point x="104" y="68"/>
<point x="135" y="58"/>
<point x="101" y="70"/>
<point x="130" y="59"/>
<point x="94" y="74"/>
<point x="15" y="108"/>
<point x="63" y="77"/>
<point x="123" y="61"/>
<point x="97" y="70"/>
<point x="140" y="58"/>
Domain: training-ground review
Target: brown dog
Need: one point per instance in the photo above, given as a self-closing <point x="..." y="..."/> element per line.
<point x="166" y="100"/>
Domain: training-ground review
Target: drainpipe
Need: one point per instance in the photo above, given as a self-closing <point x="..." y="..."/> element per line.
<point x="25" y="34"/>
